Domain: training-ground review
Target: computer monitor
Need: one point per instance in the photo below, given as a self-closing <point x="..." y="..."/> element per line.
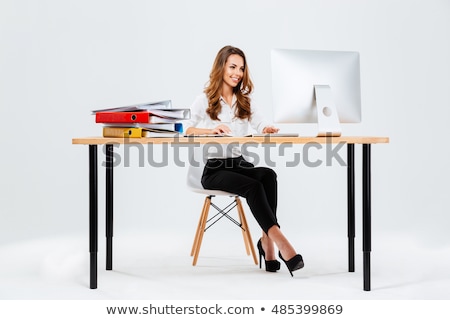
<point x="311" y="86"/>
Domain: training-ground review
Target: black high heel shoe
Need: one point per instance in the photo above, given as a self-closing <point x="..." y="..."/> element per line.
<point x="294" y="263"/>
<point x="271" y="265"/>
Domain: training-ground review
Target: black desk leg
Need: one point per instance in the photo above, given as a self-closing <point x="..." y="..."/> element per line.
<point x="109" y="204"/>
<point x="351" y="206"/>
<point x="367" y="216"/>
<point x="93" y="215"/>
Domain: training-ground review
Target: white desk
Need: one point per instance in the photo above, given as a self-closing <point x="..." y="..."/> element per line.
<point x="366" y="143"/>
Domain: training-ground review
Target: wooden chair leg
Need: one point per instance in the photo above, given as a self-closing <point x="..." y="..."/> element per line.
<point x="200" y="230"/>
<point x="246" y="234"/>
<point x="197" y="232"/>
<point x="241" y="220"/>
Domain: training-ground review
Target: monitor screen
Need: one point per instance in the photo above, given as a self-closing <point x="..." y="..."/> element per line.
<point x="296" y="74"/>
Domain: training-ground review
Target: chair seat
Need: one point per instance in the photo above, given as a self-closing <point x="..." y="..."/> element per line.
<point x="194" y="182"/>
<point x="209" y="192"/>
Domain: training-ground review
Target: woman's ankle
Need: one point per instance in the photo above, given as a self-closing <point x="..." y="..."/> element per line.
<point x="284" y="246"/>
<point x="269" y="247"/>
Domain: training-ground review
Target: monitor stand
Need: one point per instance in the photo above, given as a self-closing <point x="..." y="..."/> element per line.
<point x="327" y="116"/>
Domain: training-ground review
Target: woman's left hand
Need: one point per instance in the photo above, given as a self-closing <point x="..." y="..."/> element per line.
<point x="270" y="129"/>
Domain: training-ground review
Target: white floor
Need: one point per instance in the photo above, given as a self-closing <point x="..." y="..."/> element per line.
<point x="156" y="266"/>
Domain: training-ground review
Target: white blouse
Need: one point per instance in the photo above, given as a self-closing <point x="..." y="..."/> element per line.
<point x="239" y="127"/>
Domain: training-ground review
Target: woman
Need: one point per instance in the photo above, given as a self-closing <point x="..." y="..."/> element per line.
<point x="225" y="108"/>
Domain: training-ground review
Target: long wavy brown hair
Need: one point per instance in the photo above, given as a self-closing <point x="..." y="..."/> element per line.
<point x="214" y="86"/>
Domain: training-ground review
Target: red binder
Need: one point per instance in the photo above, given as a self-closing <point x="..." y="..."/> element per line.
<point x="142" y="116"/>
<point x="122" y="117"/>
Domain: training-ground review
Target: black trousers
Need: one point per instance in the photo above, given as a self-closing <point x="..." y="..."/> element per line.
<point x="258" y="185"/>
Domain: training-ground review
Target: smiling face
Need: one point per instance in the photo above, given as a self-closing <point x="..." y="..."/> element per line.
<point x="233" y="71"/>
<point x="229" y="76"/>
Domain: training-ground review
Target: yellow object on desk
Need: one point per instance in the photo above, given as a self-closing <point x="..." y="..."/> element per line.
<point x="122" y="132"/>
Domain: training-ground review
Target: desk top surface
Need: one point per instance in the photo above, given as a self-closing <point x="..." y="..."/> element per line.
<point x="227" y="140"/>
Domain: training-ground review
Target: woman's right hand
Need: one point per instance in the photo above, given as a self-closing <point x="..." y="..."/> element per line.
<point x="221" y="129"/>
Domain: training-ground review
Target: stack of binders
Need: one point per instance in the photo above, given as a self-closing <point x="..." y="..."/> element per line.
<point x="155" y="119"/>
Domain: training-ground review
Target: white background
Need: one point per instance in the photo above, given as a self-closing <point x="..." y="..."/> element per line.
<point x="61" y="59"/>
